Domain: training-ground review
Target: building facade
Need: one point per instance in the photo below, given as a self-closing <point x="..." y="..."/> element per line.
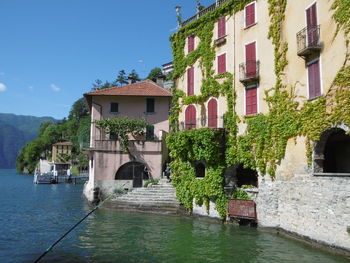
<point x="274" y="75"/>
<point x="111" y="167"/>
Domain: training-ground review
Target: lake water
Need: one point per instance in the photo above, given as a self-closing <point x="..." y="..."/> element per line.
<point x="32" y="217"/>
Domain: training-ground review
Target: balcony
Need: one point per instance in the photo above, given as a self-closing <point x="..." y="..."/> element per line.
<point x="215" y="122"/>
<point x="249" y="72"/>
<point x="134" y="146"/>
<point x="308" y="41"/>
<point x="204" y="11"/>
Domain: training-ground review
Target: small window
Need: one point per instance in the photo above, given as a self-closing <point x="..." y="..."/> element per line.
<point x="190" y="43"/>
<point x="222" y="64"/>
<point x="222" y="27"/>
<point x="114" y="107"/>
<point x="249" y="12"/>
<point x="150" y="133"/>
<point x="251" y="101"/>
<point x="190" y="81"/>
<point x="314" y="79"/>
<point x="150" y="105"/>
<point x="200" y="169"/>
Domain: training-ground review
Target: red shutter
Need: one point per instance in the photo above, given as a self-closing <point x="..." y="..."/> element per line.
<point x="251" y="101"/>
<point x="250" y="59"/>
<point x="314" y="80"/>
<point x="222" y="64"/>
<point x="190" y="81"/>
<point x="213" y="113"/>
<point x="311" y="21"/>
<point x="190" y="117"/>
<point x="221" y="27"/>
<point x="250" y="15"/>
<point x="190" y="43"/>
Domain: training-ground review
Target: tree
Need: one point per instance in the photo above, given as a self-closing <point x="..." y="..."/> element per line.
<point x="154" y="74"/>
<point x="98" y="84"/>
<point x="78" y="110"/>
<point x="121" y="78"/>
<point x="133" y="76"/>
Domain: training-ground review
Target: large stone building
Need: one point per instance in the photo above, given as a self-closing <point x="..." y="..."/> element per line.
<point x="275" y="75"/>
<point x="111" y="167"/>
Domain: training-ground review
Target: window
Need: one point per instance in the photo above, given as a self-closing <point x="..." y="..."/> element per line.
<point x="222" y="64"/>
<point x="150" y="105"/>
<point x="249" y="12"/>
<point x="190" y="81"/>
<point x="251" y="102"/>
<point x="250" y="59"/>
<point x="150" y="133"/>
<point x="313" y="69"/>
<point x="200" y="169"/>
<point x="311" y="21"/>
<point x="190" y="117"/>
<point x="222" y="27"/>
<point x="213" y="113"/>
<point x="114" y="107"/>
<point x="190" y="43"/>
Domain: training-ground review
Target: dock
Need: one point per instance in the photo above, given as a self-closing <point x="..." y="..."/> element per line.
<point x="50" y="178"/>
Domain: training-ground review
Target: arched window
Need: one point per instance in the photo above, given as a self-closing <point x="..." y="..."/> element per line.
<point x="332" y="152"/>
<point x="213" y="113"/>
<point x="190" y="117"/>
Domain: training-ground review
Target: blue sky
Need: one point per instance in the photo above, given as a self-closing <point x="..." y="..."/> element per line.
<point x="51" y="51"/>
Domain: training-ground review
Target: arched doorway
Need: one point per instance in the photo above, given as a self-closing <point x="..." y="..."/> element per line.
<point x="190" y="117"/>
<point x="332" y="152"/>
<point x="134" y="171"/>
<point x="213" y="113"/>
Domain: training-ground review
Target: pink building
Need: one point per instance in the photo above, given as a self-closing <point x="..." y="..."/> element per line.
<point x="110" y="167"/>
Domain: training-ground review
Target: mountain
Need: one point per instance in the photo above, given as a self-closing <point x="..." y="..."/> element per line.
<point x="15" y="132"/>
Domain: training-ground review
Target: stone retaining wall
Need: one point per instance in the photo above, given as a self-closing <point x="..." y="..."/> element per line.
<point x="313" y="207"/>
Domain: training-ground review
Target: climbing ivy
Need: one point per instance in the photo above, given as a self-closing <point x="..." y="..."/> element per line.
<point x="263" y="144"/>
<point x="122" y="127"/>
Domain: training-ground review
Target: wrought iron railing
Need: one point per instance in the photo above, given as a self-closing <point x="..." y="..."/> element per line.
<point x="204" y="11"/>
<point x="249" y="70"/>
<point x="212" y="122"/>
<point x="308" y="38"/>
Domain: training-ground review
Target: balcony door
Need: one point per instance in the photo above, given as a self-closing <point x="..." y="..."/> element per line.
<point x="311" y="22"/>
<point x="250" y="59"/>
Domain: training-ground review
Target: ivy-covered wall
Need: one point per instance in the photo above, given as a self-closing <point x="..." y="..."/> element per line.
<point x="263" y="143"/>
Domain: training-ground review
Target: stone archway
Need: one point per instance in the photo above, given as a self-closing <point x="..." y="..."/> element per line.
<point x="134" y="171"/>
<point x="332" y="152"/>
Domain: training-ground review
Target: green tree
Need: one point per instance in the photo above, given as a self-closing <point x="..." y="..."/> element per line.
<point x="133" y="76"/>
<point x="154" y="74"/>
<point x="121" y="78"/>
<point x="78" y="110"/>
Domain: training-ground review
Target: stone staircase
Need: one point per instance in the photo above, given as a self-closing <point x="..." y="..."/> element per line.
<point x="157" y="199"/>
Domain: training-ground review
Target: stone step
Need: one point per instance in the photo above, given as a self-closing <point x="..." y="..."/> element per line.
<point x="150" y="194"/>
<point x="152" y="191"/>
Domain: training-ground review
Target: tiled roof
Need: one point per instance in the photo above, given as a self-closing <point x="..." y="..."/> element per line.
<point x="143" y="88"/>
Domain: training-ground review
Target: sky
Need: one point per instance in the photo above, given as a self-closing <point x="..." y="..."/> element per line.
<point x="51" y="51"/>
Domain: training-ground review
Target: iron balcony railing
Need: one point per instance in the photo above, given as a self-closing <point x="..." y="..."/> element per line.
<point x="308" y="40"/>
<point x="213" y="122"/>
<point x="249" y="71"/>
<point x="204" y="11"/>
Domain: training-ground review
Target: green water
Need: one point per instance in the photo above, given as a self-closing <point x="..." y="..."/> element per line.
<point x="32" y="217"/>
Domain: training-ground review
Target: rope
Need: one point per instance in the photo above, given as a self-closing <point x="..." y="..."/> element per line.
<point x="71" y="229"/>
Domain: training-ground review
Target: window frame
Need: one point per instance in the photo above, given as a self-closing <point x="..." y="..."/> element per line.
<point x="253" y="86"/>
<point x="255" y="15"/>
<point x="217" y="62"/>
<point x="318" y="59"/>
<point x="110" y="107"/>
<point x="147" y="105"/>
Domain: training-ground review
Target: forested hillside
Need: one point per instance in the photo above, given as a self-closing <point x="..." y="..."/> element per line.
<point x="76" y="129"/>
<point x="15" y="132"/>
